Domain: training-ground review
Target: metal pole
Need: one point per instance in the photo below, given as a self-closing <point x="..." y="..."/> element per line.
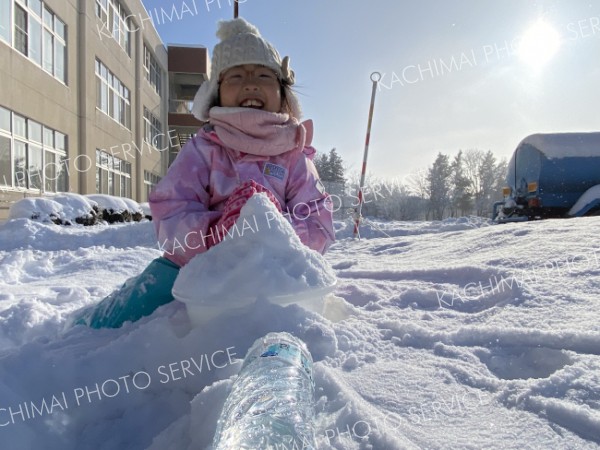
<point x="375" y="77"/>
<point x="236" y="9"/>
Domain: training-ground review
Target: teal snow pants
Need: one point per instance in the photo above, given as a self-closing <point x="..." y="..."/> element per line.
<point x="137" y="298"/>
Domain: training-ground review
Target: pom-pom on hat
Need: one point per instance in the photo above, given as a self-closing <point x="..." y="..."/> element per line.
<point x="241" y="43"/>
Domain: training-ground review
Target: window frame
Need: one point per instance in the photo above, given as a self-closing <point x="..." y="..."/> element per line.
<point x="153" y="71"/>
<point x="116" y="20"/>
<point x="113" y="98"/>
<point x="50" y="54"/>
<point x="112" y="178"/>
<point x="7" y="35"/>
<point x="19" y="30"/>
<point x="153" y="129"/>
<point x="34" y="150"/>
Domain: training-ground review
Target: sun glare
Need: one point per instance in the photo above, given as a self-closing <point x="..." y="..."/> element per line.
<point x="539" y="44"/>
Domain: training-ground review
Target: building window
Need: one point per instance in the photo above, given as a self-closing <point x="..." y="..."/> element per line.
<point x="153" y="134"/>
<point x="21" y="37"/>
<point x="150" y="180"/>
<point x="35" y="39"/>
<point x="55" y="162"/>
<point x="48" y="59"/>
<point x="5" y="160"/>
<point x="54" y="45"/>
<point x="5" y="148"/>
<point x="20" y="164"/>
<point x="38" y="34"/>
<point x="35" y="167"/>
<point x="112" y="97"/>
<point x="35" y="6"/>
<point x="5" y="15"/>
<point x="115" y="19"/>
<point x="113" y="175"/>
<point x="5" y="120"/>
<point x="31" y="156"/>
<point x="20" y="126"/>
<point x="152" y="70"/>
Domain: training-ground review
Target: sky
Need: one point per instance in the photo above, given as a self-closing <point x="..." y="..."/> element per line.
<point x="456" y="74"/>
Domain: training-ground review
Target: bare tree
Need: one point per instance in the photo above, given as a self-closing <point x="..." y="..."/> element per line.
<point x="418" y="187"/>
<point x="484" y="173"/>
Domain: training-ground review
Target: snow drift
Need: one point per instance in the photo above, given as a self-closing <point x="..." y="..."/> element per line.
<point x="260" y="258"/>
<point x="455" y="335"/>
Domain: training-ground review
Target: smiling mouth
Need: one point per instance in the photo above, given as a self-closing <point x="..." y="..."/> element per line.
<point x="252" y="103"/>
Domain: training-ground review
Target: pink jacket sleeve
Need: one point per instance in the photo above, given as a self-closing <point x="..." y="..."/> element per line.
<point x="309" y="206"/>
<point x="179" y="206"/>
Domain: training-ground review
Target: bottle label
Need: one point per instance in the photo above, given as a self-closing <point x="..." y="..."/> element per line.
<point x="290" y="353"/>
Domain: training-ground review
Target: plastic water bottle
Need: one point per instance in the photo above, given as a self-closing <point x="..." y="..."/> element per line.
<point x="271" y="402"/>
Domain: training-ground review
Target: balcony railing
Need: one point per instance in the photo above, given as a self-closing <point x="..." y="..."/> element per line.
<point x="181" y="106"/>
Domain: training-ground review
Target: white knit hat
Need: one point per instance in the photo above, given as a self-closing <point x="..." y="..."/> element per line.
<point x="241" y="43"/>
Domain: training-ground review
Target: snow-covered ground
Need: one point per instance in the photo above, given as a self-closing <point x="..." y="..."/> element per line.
<point x="453" y="334"/>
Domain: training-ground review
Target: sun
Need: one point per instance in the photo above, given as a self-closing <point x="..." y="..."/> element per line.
<point x="539" y="44"/>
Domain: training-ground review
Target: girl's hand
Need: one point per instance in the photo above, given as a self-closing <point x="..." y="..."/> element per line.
<point x="235" y="203"/>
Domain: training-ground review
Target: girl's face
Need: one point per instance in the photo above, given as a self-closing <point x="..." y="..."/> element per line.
<point x="251" y="86"/>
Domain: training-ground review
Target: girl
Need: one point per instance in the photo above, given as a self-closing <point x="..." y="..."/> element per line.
<point x="252" y="143"/>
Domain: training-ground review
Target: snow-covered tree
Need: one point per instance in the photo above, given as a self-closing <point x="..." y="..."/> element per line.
<point x="332" y="174"/>
<point x="322" y="165"/>
<point x="439" y="178"/>
<point x="461" y="195"/>
<point x="330" y="167"/>
<point x="336" y="167"/>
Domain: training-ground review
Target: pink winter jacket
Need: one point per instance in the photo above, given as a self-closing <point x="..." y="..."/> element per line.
<point x="191" y="196"/>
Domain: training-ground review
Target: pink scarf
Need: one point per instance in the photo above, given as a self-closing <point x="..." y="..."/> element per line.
<point x="258" y="132"/>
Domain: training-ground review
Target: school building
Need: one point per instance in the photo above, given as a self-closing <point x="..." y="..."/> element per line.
<point x="91" y="100"/>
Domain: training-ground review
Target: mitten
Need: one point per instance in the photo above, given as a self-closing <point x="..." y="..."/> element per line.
<point x="234" y="205"/>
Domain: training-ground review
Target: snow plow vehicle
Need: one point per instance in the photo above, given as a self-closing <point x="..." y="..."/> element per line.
<point x="550" y="176"/>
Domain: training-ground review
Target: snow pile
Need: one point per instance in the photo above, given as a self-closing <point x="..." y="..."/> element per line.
<point x="145" y="209"/>
<point x="456" y="336"/>
<point x="117" y="209"/>
<point x="260" y="258"/>
<point x="136" y="210"/>
<point x="61" y="209"/>
<point x="69" y="209"/>
<point x="133" y="207"/>
<point x="108" y="202"/>
<point x="37" y="208"/>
